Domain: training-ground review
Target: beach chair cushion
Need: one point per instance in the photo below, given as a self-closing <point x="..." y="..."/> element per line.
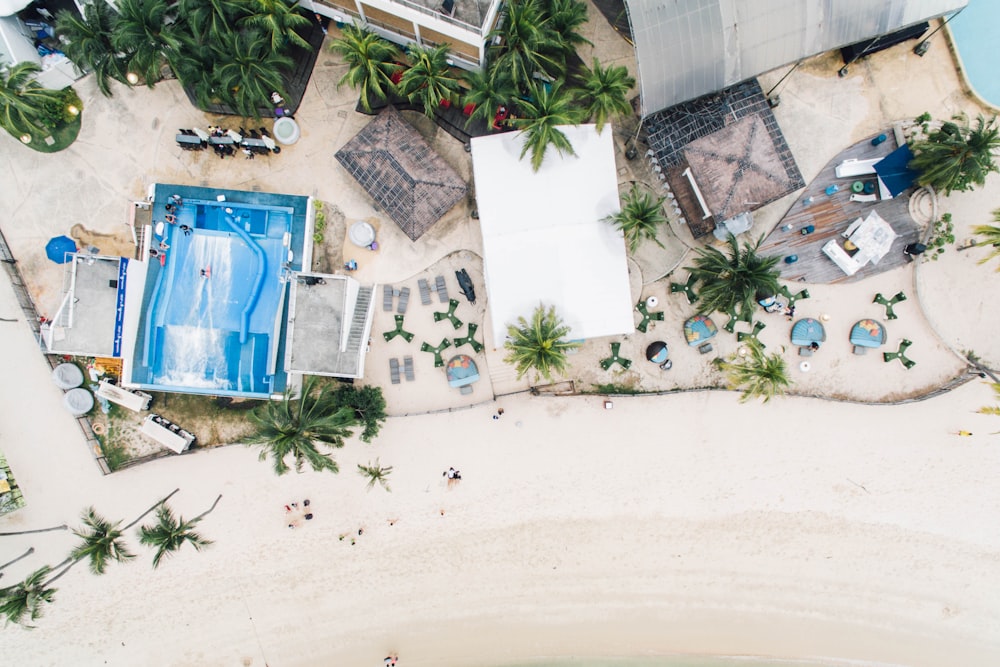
<point x="442" y="289"/>
<point x="394" y="370"/>
<point x="387" y="294"/>
<point x="408" y="368"/>
<point x="425" y="292"/>
<point x="404" y="300"/>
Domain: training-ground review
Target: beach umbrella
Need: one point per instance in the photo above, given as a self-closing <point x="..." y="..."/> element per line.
<point x="57" y="247"/>
<point x="657" y="352"/>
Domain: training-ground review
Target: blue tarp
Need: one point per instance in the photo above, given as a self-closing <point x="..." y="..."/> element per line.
<point x="894" y="172"/>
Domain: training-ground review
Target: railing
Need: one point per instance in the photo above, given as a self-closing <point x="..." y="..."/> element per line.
<point x="30" y="312"/>
<point x="438" y="15"/>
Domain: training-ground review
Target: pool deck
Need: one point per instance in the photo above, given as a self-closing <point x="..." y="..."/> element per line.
<point x="820" y="114"/>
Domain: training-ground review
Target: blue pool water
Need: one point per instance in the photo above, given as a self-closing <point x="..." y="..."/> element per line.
<point x="975" y="32"/>
<point x="219" y="333"/>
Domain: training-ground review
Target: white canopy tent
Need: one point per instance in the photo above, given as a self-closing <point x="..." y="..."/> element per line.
<point x="545" y="239"/>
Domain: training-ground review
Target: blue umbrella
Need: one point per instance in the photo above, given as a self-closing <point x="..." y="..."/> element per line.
<point x="807" y="331"/>
<point x="57" y="247"/>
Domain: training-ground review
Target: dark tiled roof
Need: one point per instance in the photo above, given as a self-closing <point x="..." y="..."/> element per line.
<point x="402" y="173"/>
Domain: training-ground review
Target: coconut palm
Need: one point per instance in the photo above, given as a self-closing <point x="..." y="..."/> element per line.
<point x="538" y="344"/>
<point x="279" y="20"/>
<point x="564" y="18"/>
<point x="293" y="426"/>
<point x="757" y="375"/>
<point x="957" y="157"/>
<point x="368" y="405"/>
<point x="87" y="42"/>
<point x="640" y="217"/>
<point x="27" y="553"/>
<point x="170" y="533"/>
<point x="488" y="90"/>
<point x="103" y="541"/>
<point x="733" y="281"/>
<point x="371" y="63"/>
<point x="429" y="79"/>
<point x="605" y="91"/>
<point x="25" y="601"/>
<point x="527" y="45"/>
<point x="991" y="237"/>
<point x="24" y="103"/>
<point x="549" y="106"/>
<point x="147" y="35"/>
<point x="376" y="473"/>
<point x="249" y="71"/>
<point x="209" y="20"/>
<point x="195" y="66"/>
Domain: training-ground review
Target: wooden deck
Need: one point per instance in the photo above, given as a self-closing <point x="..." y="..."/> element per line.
<point x="831" y="215"/>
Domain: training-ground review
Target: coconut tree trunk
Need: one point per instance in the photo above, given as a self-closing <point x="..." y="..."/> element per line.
<point x="66" y="565"/>
<point x="37" y="530"/>
<point x="208" y="511"/>
<point x="143" y="515"/>
<point x="27" y="553"/>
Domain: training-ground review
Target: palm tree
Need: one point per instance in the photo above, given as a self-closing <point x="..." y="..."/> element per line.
<point x="195" y="66"/>
<point x="293" y="426"/>
<point x="526" y="46"/>
<point x="992" y="409"/>
<point x="103" y="541"/>
<point x="957" y="157"/>
<point x="368" y="405"/>
<point x="565" y="17"/>
<point x="170" y="533"/>
<point x="757" y="375"/>
<point x="25" y="601"/>
<point x="87" y="42"/>
<point x="538" y="344"/>
<point x="640" y="217"/>
<point x="249" y="71"/>
<point x="146" y="37"/>
<point x="27" y="553"/>
<point x="604" y="92"/>
<point x="488" y="91"/>
<point x="733" y="281"/>
<point x="991" y="237"/>
<point x="279" y="20"/>
<point x="371" y="63"/>
<point x="548" y="107"/>
<point x="24" y="103"/>
<point x="429" y="80"/>
<point x="376" y="473"/>
<point x="209" y="20"/>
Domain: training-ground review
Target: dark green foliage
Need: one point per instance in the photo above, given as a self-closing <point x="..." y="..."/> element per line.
<point x="88" y="43"/>
<point x="368" y="405"/>
<point x="732" y="282"/>
<point x="957" y="157"/>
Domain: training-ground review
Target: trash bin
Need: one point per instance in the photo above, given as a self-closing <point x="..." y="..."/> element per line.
<point x="791" y="259"/>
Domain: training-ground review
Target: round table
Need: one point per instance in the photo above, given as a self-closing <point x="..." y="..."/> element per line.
<point x="652" y="302"/>
<point x="286" y="131"/>
<point x="805" y="366"/>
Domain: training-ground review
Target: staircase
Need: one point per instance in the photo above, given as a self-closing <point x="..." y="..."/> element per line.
<point x="355" y="337"/>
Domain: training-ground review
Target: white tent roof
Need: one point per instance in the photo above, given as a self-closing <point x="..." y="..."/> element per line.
<point x="544" y="237"/>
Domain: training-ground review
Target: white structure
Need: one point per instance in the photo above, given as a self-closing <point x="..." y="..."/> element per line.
<point x="545" y="239"/>
<point x="17" y="46"/>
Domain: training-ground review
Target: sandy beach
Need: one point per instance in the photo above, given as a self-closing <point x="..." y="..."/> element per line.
<point x="805" y="529"/>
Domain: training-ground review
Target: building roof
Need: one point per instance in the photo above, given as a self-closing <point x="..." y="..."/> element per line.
<point x="688" y="48"/>
<point x="402" y="173"/>
<point x="550" y="244"/>
<point x="738" y="168"/>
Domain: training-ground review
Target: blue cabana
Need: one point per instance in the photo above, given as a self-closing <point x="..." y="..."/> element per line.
<point x="893" y="170"/>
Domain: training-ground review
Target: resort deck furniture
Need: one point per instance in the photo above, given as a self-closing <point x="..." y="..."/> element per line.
<point x="476" y="345"/>
<point x="394" y="370"/>
<point x="890" y="314"/>
<point x="859" y="350"/>
<point x="404" y="300"/>
<point x="398" y="331"/>
<point x="449" y="314"/>
<point x="792" y="298"/>
<point x="387" y="294"/>
<point x="705" y="348"/>
<point x="687" y="288"/>
<point x="465" y="390"/>
<point x="867" y="333"/>
<point x="734" y="318"/>
<point x="900" y="354"/>
<point x="854" y="167"/>
<point x="807" y="331"/>
<point x="436" y="351"/>
<point x="867" y="199"/>
<point x="408" y="367"/>
<point x="425" y="291"/>
<point x="615" y="358"/>
<point x="647" y="316"/>
<point x="757" y="328"/>
<point x="442" y="289"/>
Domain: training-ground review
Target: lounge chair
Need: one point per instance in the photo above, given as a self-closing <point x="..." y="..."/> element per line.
<point x="465" y="390"/>
<point x="805" y="351"/>
<point x="425" y="291"/>
<point x="408" y="368"/>
<point x="387" y="294"/>
<point x="705" y="348"/>
<point x="404" y="300"/>
<point x="394" y="370"/>
<point x="442" y="289"/>
<point x="860" y="350"/>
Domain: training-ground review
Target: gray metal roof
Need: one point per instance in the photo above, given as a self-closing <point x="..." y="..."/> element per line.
<point x="688" y="48"/>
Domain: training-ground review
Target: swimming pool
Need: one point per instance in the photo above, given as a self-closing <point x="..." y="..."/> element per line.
<point x="974" y="32"/>
<point x="213" y="308"/>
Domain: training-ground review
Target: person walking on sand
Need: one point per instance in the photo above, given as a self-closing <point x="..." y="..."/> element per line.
<point x="391" y="659"/>
<point x="965" y="433"/>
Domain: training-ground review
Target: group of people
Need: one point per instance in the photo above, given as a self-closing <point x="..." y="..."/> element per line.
<point x="296" y="514"/>
<point x="226" y="142"/>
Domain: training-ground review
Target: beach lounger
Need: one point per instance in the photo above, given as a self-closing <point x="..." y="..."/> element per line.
<point x="408" y="368"/>
<point x="404" y="300"/>
<point x="394" y="370"/>
<point x="805" y="352"/>
<point x="425" y="291"/>
<point x="867" y="199"/>
<point x="387" y="293"/>
<point x="860" y="350"/>
<point x="442" y="289"/>
<point x="705" y="348"/>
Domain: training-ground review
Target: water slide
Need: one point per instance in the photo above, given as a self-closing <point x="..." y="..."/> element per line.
<point x="258" y="281"/>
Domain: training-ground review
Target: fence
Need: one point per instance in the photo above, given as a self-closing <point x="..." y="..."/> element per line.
<point x="27" y="305"/>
